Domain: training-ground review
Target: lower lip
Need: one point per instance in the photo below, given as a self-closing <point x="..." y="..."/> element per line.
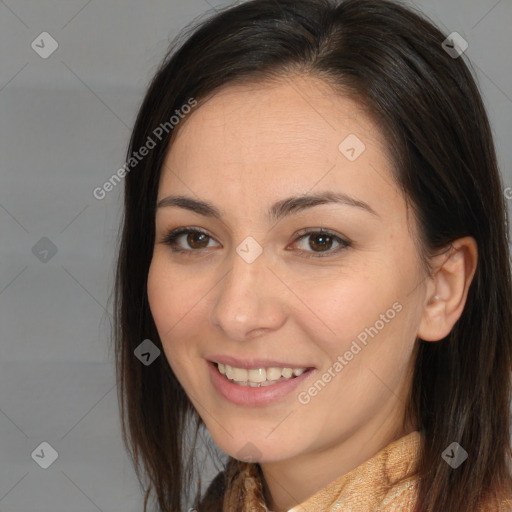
<point x="247" y="395"/>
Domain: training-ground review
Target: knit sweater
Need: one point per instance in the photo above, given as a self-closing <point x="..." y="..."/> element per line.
<point x="387" y="482"/>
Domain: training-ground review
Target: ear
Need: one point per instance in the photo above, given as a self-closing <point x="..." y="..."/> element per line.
<point x="447" y="290"/>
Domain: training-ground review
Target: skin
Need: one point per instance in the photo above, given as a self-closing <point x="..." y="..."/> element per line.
<point x="245" y="148"/>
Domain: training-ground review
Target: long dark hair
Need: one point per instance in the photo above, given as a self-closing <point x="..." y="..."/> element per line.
<point x="432" y="115"/>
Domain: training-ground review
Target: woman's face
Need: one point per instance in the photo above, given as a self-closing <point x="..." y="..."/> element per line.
<point x="257" y="287"/>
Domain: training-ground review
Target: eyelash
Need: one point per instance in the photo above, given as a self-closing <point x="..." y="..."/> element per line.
<point x="171" y="237"/>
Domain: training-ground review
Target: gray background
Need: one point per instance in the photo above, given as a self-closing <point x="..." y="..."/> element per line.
<point x="65" y="124"/>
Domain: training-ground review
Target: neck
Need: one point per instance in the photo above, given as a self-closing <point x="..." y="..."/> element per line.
<point x="288" y="483"/>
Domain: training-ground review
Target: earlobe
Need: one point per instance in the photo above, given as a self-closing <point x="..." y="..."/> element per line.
<point x="453" y="273"/>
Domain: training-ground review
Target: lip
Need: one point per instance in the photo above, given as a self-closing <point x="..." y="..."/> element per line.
<point x="253" y="397"/>
<point x="255" y="363"/>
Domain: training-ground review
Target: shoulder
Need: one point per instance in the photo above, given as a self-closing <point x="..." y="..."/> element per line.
<point x="214" y="495"/>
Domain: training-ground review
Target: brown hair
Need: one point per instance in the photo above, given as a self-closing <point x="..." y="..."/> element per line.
<point x="436" y="126"/>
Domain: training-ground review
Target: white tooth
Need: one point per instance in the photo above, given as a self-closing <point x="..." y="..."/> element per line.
<point x="239" y="374"/>
<point x="287" y="372"/>
<point x="257" y="375"/>
<point x="254" y="376"/>
<point x="273" y="373"/>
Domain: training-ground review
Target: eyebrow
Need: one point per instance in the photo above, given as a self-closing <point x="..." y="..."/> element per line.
<point x="277" y="211"/>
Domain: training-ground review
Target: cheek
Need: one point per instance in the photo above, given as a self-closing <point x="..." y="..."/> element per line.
<point x="341" y="307"/>
<point x="165" y="310"/>
<point x="158" y="297"/>
<point x="174" y="306"/>
<point x="369" y="306"/>
<point x="172" y="297"/>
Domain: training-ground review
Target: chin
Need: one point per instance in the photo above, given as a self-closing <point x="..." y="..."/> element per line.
<point x="256" y="449"/>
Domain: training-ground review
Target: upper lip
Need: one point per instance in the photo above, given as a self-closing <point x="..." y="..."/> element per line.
<point x="255" y="363"/>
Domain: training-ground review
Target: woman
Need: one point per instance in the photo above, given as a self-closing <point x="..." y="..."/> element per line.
<point x="315" y="239"/>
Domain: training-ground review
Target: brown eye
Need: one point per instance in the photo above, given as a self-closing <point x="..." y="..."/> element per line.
<point x="321" y="241"/>
<point x="195" y="240"/>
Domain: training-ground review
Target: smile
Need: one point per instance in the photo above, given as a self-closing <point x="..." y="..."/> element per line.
<point x="258" y="377"/>
<point x="275" y="383"/>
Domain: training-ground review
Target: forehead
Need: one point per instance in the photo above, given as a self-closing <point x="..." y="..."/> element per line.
<point x="261" y="139"/>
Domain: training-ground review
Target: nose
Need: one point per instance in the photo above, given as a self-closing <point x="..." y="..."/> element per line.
<point x="249" y="300"/>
